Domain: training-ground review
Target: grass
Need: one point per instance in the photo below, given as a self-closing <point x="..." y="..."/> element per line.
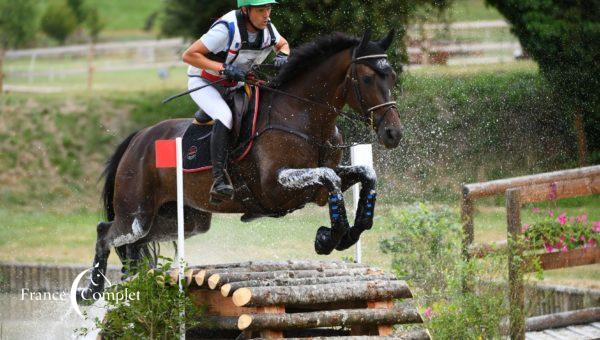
<point x="473" y="10"/>
<point x="127" y="15"/>
<point x="55" y="237"/>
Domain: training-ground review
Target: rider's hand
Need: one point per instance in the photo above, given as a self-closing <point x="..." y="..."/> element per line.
<point x="280" y="59"/>
<point x="233" y="72"/>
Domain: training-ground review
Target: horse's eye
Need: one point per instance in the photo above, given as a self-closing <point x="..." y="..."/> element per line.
<point x="368" y="79"/>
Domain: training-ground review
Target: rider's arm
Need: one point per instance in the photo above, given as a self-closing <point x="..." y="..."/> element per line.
<point x="282" y="46"/>
<point x="195" y="55"/>
<point x="214" y="41"/>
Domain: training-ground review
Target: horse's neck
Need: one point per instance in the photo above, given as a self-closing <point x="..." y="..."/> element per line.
<point x="320" y="84"/>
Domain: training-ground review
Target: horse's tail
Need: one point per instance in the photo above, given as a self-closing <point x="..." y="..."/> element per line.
<point x="109" y="173"/>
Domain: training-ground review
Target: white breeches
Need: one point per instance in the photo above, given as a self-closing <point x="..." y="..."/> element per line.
<point x="210" y="101"/>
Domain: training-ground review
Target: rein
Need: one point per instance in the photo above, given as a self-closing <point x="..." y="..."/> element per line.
<point x="351" y="75"/>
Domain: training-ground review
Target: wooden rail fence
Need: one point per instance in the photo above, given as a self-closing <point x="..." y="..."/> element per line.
<point x="518" y="191"/>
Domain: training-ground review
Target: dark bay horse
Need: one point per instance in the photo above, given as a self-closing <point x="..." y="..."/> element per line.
<point x="293" y="161"/>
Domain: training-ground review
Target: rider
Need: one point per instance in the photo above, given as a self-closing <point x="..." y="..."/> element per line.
<point x="235" y="42"/>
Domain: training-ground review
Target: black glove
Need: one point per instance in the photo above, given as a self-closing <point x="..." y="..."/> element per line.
<point x="280" y="59"/>
<point x="232" y="72"/>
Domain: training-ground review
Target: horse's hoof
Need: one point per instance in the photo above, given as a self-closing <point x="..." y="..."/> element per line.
<point x="323" y="242"/>
<point x="350" y="238"/>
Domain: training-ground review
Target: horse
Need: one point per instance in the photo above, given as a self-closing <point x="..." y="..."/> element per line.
<point x="295" y="159"/>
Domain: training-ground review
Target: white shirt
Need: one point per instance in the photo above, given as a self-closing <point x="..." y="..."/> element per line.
<point x="217" y="38"/>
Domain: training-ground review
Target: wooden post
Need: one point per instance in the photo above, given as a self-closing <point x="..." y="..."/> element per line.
<point x="2" y="55"/>
<point x="272" y="334"/>
<point x="382" y="330"/>
<point x="466" y="211"/>
<point x="90" y="60"/>
<point x="515" y="265"/>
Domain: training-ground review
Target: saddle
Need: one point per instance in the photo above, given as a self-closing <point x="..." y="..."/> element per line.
<point x="238" y="101"/>
<point x="196" y="139"/>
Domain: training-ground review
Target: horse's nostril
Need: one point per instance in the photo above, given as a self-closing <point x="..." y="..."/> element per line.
<point x="392" y="134"/>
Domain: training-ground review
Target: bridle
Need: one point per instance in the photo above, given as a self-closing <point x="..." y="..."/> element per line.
<point x="353" y="78"/>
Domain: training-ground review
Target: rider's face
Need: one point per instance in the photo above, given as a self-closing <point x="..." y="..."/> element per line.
<point x="259" y="16"/>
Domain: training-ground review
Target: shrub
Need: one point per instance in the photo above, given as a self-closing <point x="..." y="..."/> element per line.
<point x="153" y="313"/>
<point x="59" y="21"/>
<point x="426" y="251"/>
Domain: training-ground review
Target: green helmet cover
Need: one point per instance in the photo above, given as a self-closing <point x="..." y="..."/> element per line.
<point x="242" y="3"/>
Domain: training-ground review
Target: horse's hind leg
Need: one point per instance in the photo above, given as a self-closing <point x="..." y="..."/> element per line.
<point x="132" y="254"/>
<point x="365" y="175"/>
<point x="327" y="238"/>
<point x="97" y="277"/>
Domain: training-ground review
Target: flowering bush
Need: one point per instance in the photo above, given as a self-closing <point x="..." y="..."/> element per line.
<point x="425" y="245"/>
<point x="562" y="232"/>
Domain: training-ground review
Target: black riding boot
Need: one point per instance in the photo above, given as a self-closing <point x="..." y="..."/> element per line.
<point x="221" y="189"/>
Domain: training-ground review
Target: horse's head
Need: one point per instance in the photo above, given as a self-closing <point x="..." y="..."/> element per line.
<point x="368" y="88"/>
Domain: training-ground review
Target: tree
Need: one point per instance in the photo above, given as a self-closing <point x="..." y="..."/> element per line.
<point x="79" y="9"/>
<point x="17" y="26"/>
<point x="59" y="21"/>
<point x="94" y="24"/>
<point x="192" y="18"/>
<point x="563" y="37"/>
<point x="302" y="21"/>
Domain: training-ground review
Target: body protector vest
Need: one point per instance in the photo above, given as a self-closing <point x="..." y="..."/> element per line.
<point x="240" y="51"/>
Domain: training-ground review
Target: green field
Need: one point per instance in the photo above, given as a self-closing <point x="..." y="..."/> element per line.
<point x="473" y="10"/>
<point x="55" y="237"/>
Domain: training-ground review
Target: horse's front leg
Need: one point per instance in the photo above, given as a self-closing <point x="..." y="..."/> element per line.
<point x="327" y="238"/>
<point x="365" y="175"/>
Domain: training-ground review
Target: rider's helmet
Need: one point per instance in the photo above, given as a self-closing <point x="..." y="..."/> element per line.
<point x="242" y="3"/>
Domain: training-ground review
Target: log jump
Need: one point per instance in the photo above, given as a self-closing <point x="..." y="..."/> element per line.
<point x="299" y="299"/>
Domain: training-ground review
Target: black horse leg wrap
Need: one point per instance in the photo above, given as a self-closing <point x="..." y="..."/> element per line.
<point x="366" y="211"/>
<point x="363" y="221"/>
<point x="328" y="238"/>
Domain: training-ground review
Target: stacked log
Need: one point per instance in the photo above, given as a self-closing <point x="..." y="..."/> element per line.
<point x="276" y="299"/>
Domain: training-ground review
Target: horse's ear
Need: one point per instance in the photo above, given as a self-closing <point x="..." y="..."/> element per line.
<point x="365" y="39"/>
<point x="387" y="41"/>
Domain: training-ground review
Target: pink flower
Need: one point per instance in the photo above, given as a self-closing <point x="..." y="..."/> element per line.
<point x="572" y="220"/>
<point x="592" y="242"/>
<point x="428" y="312"/>
<point x="564" y="249"/>
<point x="535" y="210"/>
<point x="582" y="218"/>
<point x="582" y="238"/>
<point x="596" y="227"/>
<point x="548" y="247"/>
<point x="525" y="227"/>
<point x="551" y="213"/>
<point x="573" y="239"/>
<point x="562" y="219"/>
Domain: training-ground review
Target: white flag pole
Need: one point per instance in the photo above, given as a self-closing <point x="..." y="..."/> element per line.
<point x="360" y="155"/>
<point x="180" y="231"/>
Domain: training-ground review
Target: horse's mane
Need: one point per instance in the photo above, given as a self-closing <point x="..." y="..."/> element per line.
<point x="315" y="52"/>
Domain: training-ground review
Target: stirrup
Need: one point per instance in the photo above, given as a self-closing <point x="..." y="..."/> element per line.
<point x="217" y="197"/>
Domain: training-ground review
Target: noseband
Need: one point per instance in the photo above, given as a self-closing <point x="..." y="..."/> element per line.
<point x="353" y="78"/>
